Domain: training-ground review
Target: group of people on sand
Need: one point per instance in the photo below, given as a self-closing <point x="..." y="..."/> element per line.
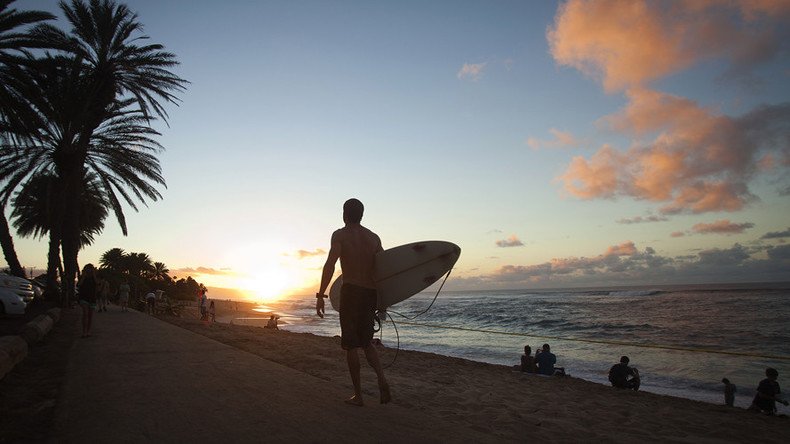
<point x="542" y="363"/>
<point x="622" y="375"/>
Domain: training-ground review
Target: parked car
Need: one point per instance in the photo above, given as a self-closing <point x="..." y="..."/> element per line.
<point x="15" y="294"/>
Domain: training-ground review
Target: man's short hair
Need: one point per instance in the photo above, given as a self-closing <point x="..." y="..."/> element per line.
<point x="771" y="372"/>
<point x="352" y="211"/>
<point x="624" y="360"/>
<point x="546" y="347"/>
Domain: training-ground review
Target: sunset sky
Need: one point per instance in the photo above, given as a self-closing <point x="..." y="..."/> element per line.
<point x="558" y="144"/>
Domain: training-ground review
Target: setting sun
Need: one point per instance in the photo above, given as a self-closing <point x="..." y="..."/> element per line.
<point x="269" y="284"/>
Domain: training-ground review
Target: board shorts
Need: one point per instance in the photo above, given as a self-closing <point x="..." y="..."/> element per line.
<point x="357" y="313"/>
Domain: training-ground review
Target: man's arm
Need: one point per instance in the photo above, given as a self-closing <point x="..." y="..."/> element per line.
<point x="326" y="275"/>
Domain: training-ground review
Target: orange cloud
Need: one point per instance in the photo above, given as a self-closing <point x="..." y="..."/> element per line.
<point x="301" y="254"/>
<point x="698" y="160"/>
<point x="689" y="157"/>
<point x="624" y="249"/>
<point x="512" y="241"/>
<point x="597" y="177"/>
<point x="721" y="227"/>
<point x="629" y="44"/>
<point x="561" y="139"/>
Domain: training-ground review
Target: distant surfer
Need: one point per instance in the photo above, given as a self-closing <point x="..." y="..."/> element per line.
<point x="356" y="247"/>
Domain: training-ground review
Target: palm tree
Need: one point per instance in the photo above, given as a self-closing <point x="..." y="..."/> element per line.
<point x="160" y="272"/>
<point x="97" y="101"/>
<point x="33" y="216"/>
<point x="13" y="45"/>
<point x="139" y="264"/>
<point x="114" y="259"/>
<point x="119" y="156"/>
<point x="122" y="79"/>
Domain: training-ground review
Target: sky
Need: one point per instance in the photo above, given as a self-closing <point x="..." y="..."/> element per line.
<point x="559" y="144"/>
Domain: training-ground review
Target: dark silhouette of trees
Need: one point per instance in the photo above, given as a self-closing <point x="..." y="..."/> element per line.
<point x="91" y="105"/>
<point x="33" y="216"/>
<point x="144" y="275"/>
<point x="14" y="45"/>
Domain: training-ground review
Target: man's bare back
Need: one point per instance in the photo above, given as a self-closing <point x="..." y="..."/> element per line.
<point x="357" y="247"/>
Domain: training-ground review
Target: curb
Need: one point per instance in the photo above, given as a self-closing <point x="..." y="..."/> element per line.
<point x="14" y="349"/>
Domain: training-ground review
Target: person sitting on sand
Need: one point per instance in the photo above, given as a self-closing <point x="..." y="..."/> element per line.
<point x="545" y="360"/>
<point x="272" y="323"/>
<point x="528" y="361"/>
<point x="768" y="393"/>
<point x="729" y="392"/>
<point x="623" y="376"/>
<point x="356" y="247"/>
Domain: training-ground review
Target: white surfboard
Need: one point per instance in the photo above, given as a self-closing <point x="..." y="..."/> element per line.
<point x="404" y="271"/>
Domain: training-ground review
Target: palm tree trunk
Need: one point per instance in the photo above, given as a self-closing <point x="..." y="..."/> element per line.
<point x="70" y="242"/>
<point x="53" y="264"/>
<point x="54" y="221"/>
<point x="72" y="176"/>
<point x="8" y="247"/>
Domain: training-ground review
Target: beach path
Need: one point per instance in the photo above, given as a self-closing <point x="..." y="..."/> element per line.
<point x="141" y="379"/>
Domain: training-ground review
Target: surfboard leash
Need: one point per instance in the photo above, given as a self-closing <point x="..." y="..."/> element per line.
<point x="394" y="325"/>
<point x="436" y="296"/>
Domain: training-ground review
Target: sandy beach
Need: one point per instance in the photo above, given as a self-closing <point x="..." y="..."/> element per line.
<point x="502" y="403"/>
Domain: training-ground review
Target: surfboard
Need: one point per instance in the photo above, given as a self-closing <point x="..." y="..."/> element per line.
<point x="403" y="271"/>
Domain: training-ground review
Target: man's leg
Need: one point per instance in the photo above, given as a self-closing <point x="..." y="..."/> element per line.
<point x="353" y="368"/>
<point x="373" y="359"/>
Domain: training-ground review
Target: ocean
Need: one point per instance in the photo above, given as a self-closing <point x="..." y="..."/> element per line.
<point x="683" y="339"/>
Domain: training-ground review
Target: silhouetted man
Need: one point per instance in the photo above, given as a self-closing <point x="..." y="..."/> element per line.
<point x="356" y="247"/>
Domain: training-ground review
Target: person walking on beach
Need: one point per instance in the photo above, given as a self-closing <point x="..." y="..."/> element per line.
<point x="623" y="376"/>
<point x="86" y="288"/>
<point x="356" y="247"/>
<point x="150" y="300"/>
<point x="123" y="295"/>
<point x="768" y="393"/>
<point x="729" y="392"/>
<point x="102" y="292"/>
<point x="203" y="305"/>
